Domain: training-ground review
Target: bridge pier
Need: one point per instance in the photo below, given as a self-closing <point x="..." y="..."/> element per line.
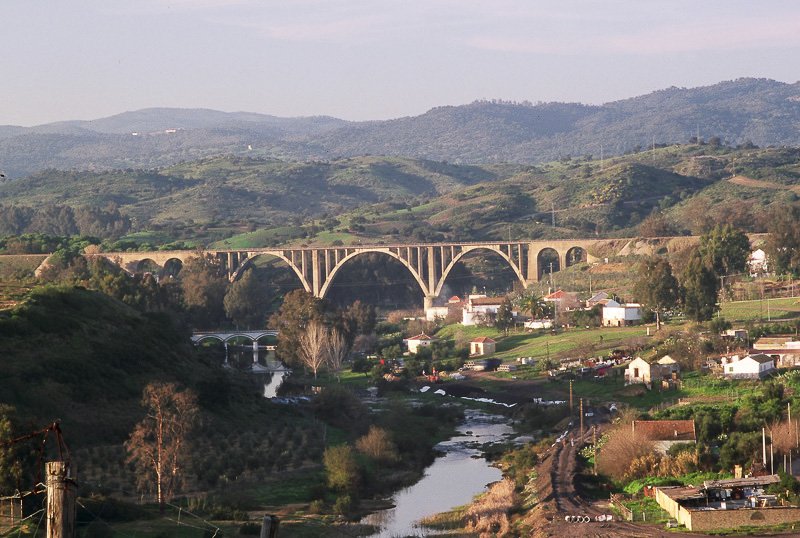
<point x="427" y="301"/>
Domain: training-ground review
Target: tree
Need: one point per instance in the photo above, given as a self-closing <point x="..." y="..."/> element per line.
<point x="314" y="346"/>
<point x="10" y="467"/>
<point x="534" y="304"/>
<point x="341" y="468"/>
<point x="245" y="303"/>
<point x="656" y="287"/>
<point x="298" y="310"/>
<point x="377" y="444"/>
<point x="158" y="444"/>
<point x="203" y="282"/>
<point x="700" y="289"/>
<point x="783" y="241"/>
<point x="725" y="250"/>
<point x="337" y="351"/>
<point x="505" y="318"/>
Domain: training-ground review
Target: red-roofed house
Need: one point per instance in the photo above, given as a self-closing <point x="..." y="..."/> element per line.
<point x="564" y="300"/>
<point x="416" y="342"/>
<point x="483" y="345"/>
<point x="665" y="433"/>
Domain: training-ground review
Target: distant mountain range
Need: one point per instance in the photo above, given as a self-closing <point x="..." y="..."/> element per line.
<point x="764" y="112"/>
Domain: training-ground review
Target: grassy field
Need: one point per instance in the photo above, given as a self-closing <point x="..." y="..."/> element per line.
<point x="766" y="309"/>
<point x="582" y="341"/>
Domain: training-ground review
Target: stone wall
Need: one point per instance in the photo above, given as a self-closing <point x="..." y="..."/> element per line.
<point x="706" y="520"/>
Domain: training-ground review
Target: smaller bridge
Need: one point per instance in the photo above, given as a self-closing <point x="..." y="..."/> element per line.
<point x="225" y="337"/>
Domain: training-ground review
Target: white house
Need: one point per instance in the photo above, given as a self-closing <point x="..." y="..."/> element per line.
<point x="756" y="366"/>
<point x="416" y="342"/>
<point x="482" y="345"/>
<point x="641" y="371"/>
<point x="757" y="262"/>
<point x="436" y="312"/>
<point x="480" y="309"/>
<point x="784" y="348"/>
<point x="621" y="314"/>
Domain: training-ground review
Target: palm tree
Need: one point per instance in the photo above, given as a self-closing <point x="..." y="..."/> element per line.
<point x="534" y="304"/>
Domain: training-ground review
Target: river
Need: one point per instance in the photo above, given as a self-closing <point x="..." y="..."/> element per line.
<point x="453" y="479"/>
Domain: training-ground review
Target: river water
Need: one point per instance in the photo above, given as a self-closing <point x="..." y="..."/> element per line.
<point x="453" y="479"/>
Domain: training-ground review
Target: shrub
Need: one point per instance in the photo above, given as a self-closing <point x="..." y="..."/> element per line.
<point x="341" y="468"/>
<point x="377" y="445"/>
<point x="343" y="505"/>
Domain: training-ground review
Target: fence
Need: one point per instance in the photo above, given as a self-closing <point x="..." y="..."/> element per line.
<point x="645" y="516"/>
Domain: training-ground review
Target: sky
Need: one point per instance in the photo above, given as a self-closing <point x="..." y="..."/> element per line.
<point x="374" y="59"/>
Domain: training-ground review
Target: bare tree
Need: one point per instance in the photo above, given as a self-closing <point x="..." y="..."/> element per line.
<point x="314" y="348"/>
<point x="337" y="351"/>
<point x="158" y="443"/>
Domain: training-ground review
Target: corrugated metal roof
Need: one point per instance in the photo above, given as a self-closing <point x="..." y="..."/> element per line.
<point x="742" y="482"/>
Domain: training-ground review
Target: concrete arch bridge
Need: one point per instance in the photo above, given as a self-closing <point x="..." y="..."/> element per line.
<point x="225" y="337"/>
<point x="428" y="263"/>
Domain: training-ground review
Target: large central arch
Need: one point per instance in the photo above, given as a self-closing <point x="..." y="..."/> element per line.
<point x="467" y="250"/>
<point x="332" y="275"/>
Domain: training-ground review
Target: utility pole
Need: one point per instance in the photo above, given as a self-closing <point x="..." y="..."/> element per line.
<point x="594" y="449"/>
<point x="581" y="408"/>
<point x="570" y="394"/>
<point x="61" y="493"/>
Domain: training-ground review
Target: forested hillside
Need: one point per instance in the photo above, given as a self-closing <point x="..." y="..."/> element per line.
<point x="761" y="111"/>
<point x="669" y="190"/>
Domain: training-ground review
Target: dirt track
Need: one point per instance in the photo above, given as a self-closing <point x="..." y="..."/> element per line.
<point x="558" y="498"/>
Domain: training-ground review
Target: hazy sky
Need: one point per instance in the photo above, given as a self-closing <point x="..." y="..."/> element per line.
<point x="374" y="59"/>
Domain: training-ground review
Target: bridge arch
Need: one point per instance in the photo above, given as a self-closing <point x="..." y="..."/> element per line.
<point x="468" y="250"/>
<point x="171" y="267"/>
<point x="147" y="265"/>
<point x="575" y="255"/>
<point x="332" y="275"/>
<point x="547" y="258"/>
<point x="249" y="262"/>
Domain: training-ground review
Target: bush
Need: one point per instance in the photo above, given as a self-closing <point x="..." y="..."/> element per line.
<point x="343" y="505"/>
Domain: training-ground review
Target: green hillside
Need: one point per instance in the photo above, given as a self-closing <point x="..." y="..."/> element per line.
<point x="245" y="202"/>
<point x="84" y="358"/>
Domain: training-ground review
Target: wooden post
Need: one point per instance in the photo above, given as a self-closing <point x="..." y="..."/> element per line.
<point x="269" y="527"/>
<point x="571" y="408"/>
<point x="61" y="492"/>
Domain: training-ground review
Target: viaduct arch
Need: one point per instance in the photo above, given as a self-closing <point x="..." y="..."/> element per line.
<point x="428" y="263"/>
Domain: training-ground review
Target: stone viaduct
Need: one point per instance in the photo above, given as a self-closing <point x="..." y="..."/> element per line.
<point x="428" y="263"/>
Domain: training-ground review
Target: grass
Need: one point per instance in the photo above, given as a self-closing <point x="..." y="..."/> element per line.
<point x="586" y="341"/>
<point x="288" y="488"/>
<point x="780" y="308"/>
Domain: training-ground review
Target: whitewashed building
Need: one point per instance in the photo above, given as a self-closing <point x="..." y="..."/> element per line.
<point x="416" y="342"/>
<point x="620" y="315"/>
<point x="756" y="366"/>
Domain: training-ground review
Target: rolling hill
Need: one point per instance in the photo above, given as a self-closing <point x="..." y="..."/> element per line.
<point x="264" y="202"/>
<point x="764" y="112"/>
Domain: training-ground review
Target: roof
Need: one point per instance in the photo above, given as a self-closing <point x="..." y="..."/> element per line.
<point x="760" y="358"/>
<point x="666" y="359"/>
<point x="682" y="493"/>
<point x="666" y="430"/>
<point x="597" y="297"/>
<point x="742" y="482"/>
<point x="422" y="336"/>
<point x="454" y="299"/>
<point x="483" y="340"/>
